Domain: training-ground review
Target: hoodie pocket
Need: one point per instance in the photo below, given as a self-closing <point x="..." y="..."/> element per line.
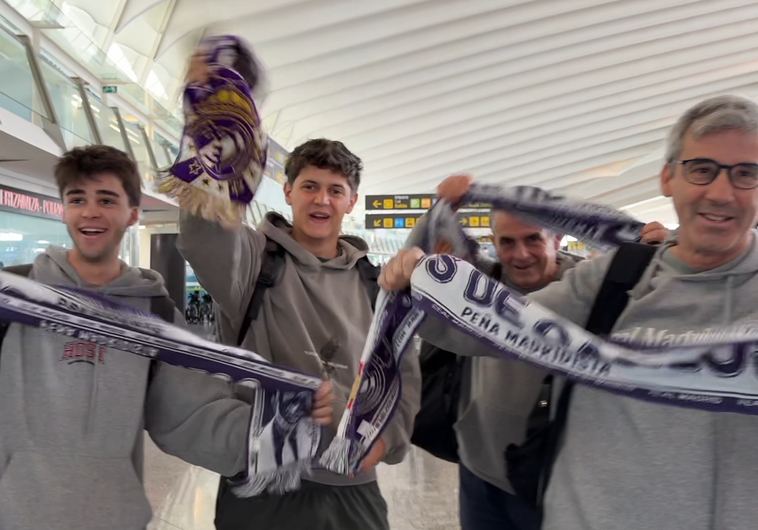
<point x="64" y="491"/>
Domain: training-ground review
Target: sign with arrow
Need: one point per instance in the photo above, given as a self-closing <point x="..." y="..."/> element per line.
<point x="398" y="221"/>
<point x="400" y="202"/>
<point x="410" y="202"/>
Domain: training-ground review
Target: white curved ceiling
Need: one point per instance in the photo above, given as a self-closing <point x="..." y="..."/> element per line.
<point x="568" y="94"/>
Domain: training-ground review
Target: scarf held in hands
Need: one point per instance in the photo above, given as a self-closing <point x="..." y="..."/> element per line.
<point x="223" y="149"/>
<point x="719" y="375"/>
<point x="281" y="404"/>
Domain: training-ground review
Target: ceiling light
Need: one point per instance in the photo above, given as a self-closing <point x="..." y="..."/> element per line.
<point x="11" y="236"/>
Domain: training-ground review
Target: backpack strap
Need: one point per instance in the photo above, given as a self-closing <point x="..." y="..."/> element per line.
<point x="369" y="274"/>
<point x="19" y="270"/>
<point x="273" y="259"/>
<point x="626" y="269"/>
<point x="162" y="306"/>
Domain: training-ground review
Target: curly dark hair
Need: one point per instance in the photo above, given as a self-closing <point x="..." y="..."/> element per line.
<point x="324" y="154"/>
<point x="85" y="163"/>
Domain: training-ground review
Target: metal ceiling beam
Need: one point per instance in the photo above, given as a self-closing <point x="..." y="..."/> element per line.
<point x="486" y="56"/>
<point x="537" y="141"/>
<point x="156" y="42"/>
<point x="193" y="15"/>
<point x="610" y="100"/>
<point x="113" y="28"/>
<point x="549" y="81"/>
<point x="470" y="37"/>
<point x="420" y="26"/>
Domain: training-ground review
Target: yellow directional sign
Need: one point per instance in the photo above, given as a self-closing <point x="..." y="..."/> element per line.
<point x="391" y="220"/>
<point x="399" y="202"/>
<point x="474" y="220"/>
<point x="408" y="220"/>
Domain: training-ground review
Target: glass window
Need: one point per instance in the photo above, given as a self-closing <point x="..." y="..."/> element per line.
<point x="107" y="123"/>
<point x="23" y="237"/>
<point x="165" y="151"/>
<point x="18" y="93"/>
<point x="64" y="94"/>
<point x="137" y="142"/>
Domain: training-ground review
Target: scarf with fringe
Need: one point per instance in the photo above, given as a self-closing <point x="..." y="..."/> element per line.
<point x="223" y="149"/>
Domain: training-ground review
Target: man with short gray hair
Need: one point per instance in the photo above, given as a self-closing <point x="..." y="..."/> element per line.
<point x="626" y="463"/>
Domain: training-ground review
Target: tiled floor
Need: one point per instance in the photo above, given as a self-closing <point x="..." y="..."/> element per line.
<point x="422" y="493"/>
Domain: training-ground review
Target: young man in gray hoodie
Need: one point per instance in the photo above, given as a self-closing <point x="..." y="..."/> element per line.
<point x="315" y="317"/>
<point x="626" y="463"/>
<point x="72" y="413"/>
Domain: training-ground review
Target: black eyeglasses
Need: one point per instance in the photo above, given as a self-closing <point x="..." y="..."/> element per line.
<point x="703" y="171"/>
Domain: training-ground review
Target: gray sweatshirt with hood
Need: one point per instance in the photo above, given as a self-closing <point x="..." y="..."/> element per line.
<point x="497" y="397"/>
<point x="315" y="318"/>
<point x="627" y="463"/>
<point x="73" y="413"/>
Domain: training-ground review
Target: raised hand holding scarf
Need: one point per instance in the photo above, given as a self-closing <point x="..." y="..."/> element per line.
<point x="223" y="149"/>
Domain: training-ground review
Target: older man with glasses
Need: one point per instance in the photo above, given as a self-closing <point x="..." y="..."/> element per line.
<point x="626" y="463"/>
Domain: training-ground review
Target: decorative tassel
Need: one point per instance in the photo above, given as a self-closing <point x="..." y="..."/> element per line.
<point x="277" y="482"/>
<point x="337" y="456"/>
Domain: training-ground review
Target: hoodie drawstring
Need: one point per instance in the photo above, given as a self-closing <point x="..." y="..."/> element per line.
<point x="728" y="299"/>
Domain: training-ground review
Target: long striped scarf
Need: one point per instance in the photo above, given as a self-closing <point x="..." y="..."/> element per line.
<point x="282" y="395"/>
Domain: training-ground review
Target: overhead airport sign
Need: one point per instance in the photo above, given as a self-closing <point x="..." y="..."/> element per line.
<point x="400" y="202"/>
<point x="410" y="202"/>
<point x="406" y="221"/>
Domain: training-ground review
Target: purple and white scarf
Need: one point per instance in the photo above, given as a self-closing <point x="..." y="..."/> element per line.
<point x="223" y="150"/>
<point x="281" y="402"/>
<point x="717" y="374"/>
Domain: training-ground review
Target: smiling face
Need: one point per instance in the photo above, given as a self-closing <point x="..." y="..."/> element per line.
<point x="320" y="199"/>
<point x="715" y="219"/>
<point x="96" y="212"/>
<point x="528" y="254"/>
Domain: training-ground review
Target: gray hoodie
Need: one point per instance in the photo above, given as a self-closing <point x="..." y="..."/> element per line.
<point x="73" y="413"/>
<point x="627" y="463"/>
<point x="497" y="397"/>
<point x="315" y="318"/>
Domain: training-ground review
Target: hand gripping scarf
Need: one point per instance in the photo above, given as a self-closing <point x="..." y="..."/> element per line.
<point x="716" y="373"/>
<point x="281" y="405"/>
<point x="223" y="148"/>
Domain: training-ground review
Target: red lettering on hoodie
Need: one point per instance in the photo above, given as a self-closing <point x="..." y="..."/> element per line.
<point x="78" y="351"/>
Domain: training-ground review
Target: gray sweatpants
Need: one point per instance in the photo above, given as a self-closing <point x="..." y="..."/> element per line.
<point x="313" y="507"/>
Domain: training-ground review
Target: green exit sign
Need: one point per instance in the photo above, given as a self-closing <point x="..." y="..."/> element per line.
<point x="110" y="89"/>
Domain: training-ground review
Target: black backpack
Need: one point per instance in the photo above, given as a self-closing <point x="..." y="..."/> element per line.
<point x="273" y="263"/>
<point x="441" y="380"/>
<point x="529" y="465"/>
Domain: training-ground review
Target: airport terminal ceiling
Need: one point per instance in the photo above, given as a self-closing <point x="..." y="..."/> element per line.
<point x="575" y="95"/>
